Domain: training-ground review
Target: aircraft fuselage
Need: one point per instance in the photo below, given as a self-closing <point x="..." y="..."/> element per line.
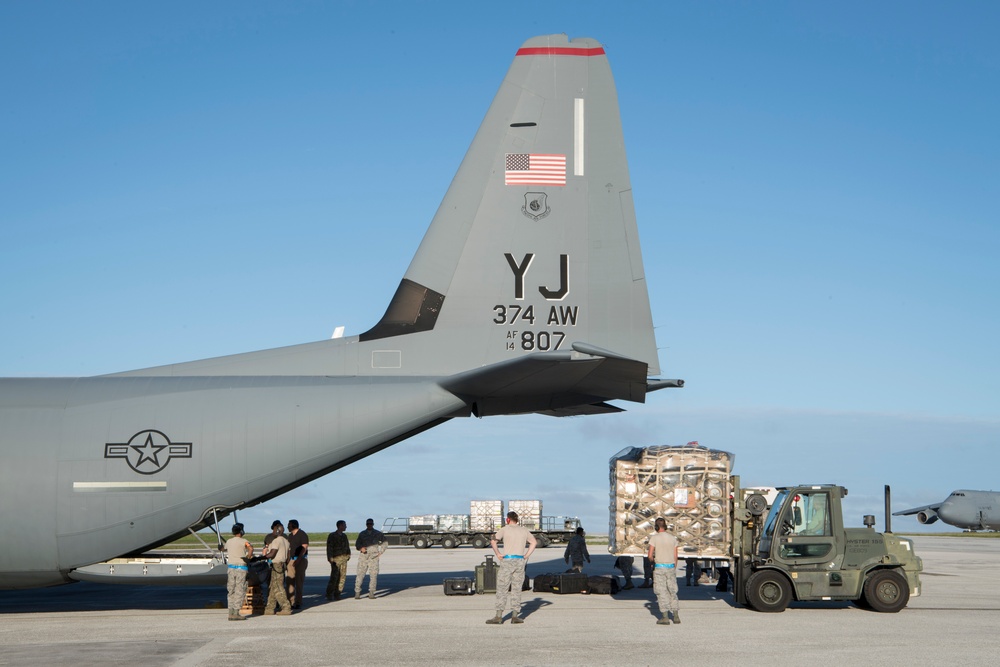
<point x="972" y="510"/>
<point x="107" y="466"/>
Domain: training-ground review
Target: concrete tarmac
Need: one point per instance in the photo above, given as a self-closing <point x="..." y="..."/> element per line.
<point x="411" y="621"/>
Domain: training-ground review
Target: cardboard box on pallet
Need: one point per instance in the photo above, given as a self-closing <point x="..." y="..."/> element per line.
<point x="486" y="515"/>
<point x="529" y="512"/>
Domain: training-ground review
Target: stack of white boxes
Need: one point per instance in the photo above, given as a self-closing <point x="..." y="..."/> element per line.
<point x="486" y="515"/>
<point x="529" y="512"/>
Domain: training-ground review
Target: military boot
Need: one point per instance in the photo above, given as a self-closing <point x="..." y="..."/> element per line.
<point x="677" y="617"/>
<point x="234" y="615"/>
<point x="663" y="620"/>
<point x="285" y="612"/>
<point x="496" y="620"/>
<point x="516" y="619"/>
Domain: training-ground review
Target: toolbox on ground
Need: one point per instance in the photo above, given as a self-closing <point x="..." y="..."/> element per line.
<point x="486" y="576"/>
<point x="458" y="586"/>
<point x="570" y="582"/>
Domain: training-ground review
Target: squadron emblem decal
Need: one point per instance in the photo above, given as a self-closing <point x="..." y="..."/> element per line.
<point x="535" y="206"/>
<point x="148" y="452"/>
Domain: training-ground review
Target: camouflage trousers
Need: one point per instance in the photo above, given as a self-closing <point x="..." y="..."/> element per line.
<point x="338" y="575"/>
<point x="367" y="564"/>
<point x="510" y="578"/>
<point x="665" y="587"/>
<point x="236" y="587"/>
<point x="276" y="592"/>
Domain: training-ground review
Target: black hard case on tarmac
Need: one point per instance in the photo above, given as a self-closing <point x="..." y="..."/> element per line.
<point x="542" y="583"/>
<point x="458" y="586"/>
<point x="603" y="584"/>
<point x="570" y="582"/>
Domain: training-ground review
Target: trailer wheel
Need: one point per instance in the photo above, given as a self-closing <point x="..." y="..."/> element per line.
<point x="886" y="591"/>
<point x="768" y="591"/>
<point x="449" y="542"/>
<point x="421" y="542"/>
<point x="480" y="542"/>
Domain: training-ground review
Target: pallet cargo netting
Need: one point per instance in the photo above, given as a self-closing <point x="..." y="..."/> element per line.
<point x="529" y="512"/>
<point x="688" y="486"/>
<point x="486" y="515"/>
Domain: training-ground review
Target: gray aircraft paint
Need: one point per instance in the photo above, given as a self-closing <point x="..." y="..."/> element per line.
<point x="520" y="298"/>
<point x="967" y="509"/>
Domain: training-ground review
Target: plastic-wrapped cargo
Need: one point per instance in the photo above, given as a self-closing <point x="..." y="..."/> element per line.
<point x="453" y="523"/>
<point x="689" y="486"/>
<point x="529" y="512"/>
<point x="486" y="515"/>
<point x="425" y="522"/>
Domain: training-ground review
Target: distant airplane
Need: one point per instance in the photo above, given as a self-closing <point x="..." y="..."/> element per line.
<point x="971" y="510"/>
<point x="526" y="295"/>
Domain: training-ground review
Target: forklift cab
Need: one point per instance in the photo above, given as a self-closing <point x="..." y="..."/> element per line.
<point x="800" y="527"/>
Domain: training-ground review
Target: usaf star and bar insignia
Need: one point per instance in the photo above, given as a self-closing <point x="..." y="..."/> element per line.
<point x="148" y="452"/>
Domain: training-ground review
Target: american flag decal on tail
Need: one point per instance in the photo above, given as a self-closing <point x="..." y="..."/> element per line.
<point x="535" y="169"/>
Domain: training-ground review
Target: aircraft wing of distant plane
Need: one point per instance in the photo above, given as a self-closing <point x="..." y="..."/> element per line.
<point x="527" y="294"/>
<point x="918" y="510"/>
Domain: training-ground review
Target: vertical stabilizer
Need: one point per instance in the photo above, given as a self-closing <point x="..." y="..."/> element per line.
<point x="534" y="247"/>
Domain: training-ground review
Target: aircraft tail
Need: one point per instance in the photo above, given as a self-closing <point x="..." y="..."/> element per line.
<point x="534" y="247"/>
<point x="527" y="292"/>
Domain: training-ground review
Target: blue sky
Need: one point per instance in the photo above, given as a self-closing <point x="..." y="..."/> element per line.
<point x="817" y="189"/>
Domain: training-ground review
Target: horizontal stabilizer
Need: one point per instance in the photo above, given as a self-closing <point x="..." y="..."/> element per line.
<point x="549" y="382"/>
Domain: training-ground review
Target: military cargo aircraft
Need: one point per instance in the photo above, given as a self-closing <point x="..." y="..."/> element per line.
<point x="526" y="295"/>
<point x="970" y="510"/>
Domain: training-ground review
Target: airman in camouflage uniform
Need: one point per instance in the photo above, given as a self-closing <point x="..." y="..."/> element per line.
<point x="663" y="553"/>
<point x="370" y="545"/>
<point x="512" y="563"/>
<point x="277" y="552"/>
<point x="238" y="550"/>
<point x="338" y="552"/>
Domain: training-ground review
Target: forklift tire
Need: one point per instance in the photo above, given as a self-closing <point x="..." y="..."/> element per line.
<point x="480" y="542"/>
<point x="449" y="542"/>
<point x="768" y="591"/>
<point x="886" y="591"/>
<point x="421" y="542"/>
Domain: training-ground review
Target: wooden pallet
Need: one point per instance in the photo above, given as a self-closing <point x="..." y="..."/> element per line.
<point x="253" y="603"/>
